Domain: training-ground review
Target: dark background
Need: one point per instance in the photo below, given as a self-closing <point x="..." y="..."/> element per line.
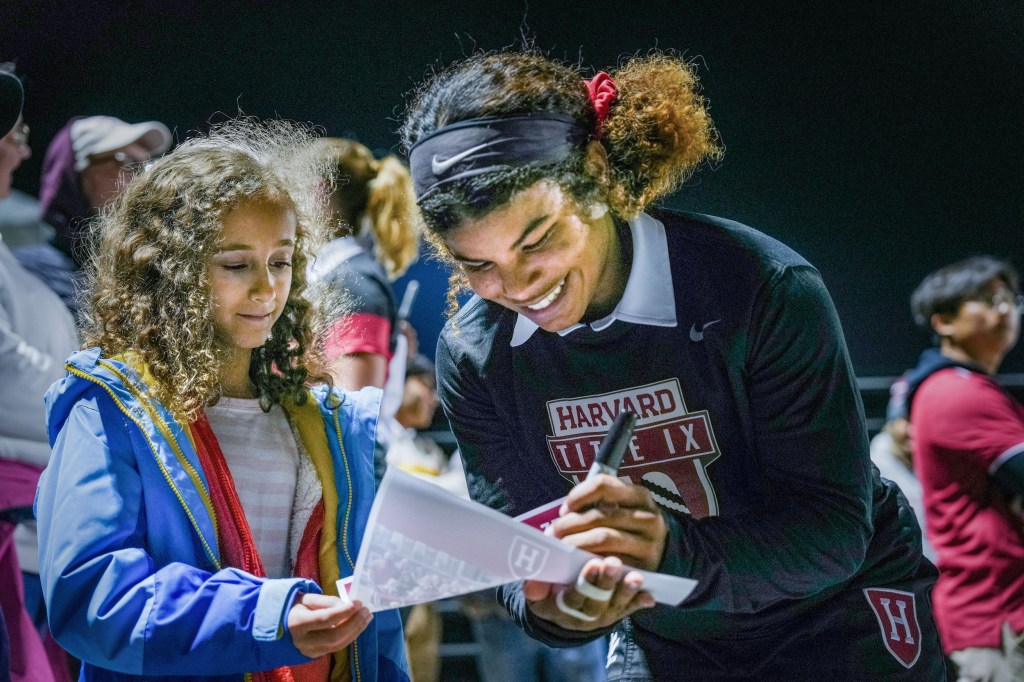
<point x="881" y="140"/>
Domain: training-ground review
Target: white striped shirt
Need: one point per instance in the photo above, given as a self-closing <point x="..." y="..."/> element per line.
<point x="261" y="453"/>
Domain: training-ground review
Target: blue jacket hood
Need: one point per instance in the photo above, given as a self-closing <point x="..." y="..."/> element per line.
<point x="64" y="393"/>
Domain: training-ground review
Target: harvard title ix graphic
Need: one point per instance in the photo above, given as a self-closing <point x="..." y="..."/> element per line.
<point x="669" y="453"/>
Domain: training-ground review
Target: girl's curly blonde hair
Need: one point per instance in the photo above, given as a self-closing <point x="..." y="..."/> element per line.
<point x="149" y="290"/>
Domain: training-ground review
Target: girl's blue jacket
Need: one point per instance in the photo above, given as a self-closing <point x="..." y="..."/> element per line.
<point x="129" y="561"/>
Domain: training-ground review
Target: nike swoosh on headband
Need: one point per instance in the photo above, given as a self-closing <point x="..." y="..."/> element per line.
<point x="439" y="166"/>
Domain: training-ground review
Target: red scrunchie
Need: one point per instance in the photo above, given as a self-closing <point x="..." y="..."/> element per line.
<point x="603" y="94"/>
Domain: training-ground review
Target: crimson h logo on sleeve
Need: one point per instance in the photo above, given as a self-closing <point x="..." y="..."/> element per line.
<point x="897" y="617"/>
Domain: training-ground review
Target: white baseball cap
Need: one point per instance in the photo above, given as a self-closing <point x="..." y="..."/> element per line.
<point x="95" y="135"/>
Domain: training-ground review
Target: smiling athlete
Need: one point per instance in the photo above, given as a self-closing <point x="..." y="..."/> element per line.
<point x="748" y="470"/>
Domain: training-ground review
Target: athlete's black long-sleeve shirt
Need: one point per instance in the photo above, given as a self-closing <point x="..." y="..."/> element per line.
<point x="751" y="433"/>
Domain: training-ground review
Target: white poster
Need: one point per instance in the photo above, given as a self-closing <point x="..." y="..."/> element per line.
<point x="423" y="543"/>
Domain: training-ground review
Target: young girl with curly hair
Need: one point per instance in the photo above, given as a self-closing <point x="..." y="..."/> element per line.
<point x="202" y="500"/>
<point x="749" y="467"/>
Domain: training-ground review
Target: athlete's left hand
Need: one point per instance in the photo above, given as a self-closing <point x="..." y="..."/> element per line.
<point x="605" y="592"/>
<point x="609" y="517"/>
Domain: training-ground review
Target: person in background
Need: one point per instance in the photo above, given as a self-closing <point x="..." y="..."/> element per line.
<point x="85" y="168"/>
<point x="19" y="213"/>
<point x="12" y="126"/>
<point x="891" y="452"/>
<point x="36" y="334"/>
<point x="202" y="500"/>
<point x="750" y="470"/>
<point x="419" y="398"/>
<point x="416" y="453"/>
<point x="375" y="238"/>
<point x="969" y="456"/>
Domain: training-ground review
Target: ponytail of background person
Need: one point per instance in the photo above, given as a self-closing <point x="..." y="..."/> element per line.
<point x="372" y="196"/>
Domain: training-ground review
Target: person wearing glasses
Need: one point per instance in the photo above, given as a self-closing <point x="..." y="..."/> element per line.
<point x="14" y="142"/>
<point x="83" y="171"/>
<point x="36" y="334"/>
<point x="969" y="455"/>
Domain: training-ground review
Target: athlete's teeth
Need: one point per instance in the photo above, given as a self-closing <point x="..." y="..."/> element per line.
<point x="546" y="301"/>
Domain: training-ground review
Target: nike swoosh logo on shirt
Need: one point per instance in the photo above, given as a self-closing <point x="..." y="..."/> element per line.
<point x="439" y="166"/>
<point x="699" y="335"/>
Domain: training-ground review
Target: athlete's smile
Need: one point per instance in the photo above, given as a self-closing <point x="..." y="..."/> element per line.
<point x="547" y="299"/>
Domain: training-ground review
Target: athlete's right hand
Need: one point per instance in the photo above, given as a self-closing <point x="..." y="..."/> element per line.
<point x="321" y="624"/>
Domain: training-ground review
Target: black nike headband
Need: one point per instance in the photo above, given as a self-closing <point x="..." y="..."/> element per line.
<point x="482" y="145"/>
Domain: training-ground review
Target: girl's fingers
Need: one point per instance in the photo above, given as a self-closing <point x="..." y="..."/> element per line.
<point x="318" y="611"/>
<point x="314" y="641"/>
<point x="535" y="590"/>
<point x="635" y="550"/>
<point x="316" y="601"/>
<point x="632" y="528"/>
<point x="597" y="580"/>
<point x="630" y="596"/>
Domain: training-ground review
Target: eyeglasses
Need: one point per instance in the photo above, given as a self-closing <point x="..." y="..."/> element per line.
<point x="122" y="159"/>
<point x="1003" y="300"/>
<point x="20" y="135"/>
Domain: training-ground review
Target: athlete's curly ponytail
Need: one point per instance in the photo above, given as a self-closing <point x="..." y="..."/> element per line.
<point x="657" y="131"/>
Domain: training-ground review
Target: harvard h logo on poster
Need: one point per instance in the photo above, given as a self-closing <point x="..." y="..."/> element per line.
<point x="526" y="558"/>
<point x="897" y="617"/>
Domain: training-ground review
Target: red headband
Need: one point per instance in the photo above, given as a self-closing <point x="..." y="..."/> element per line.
<point x="601" y="89"/>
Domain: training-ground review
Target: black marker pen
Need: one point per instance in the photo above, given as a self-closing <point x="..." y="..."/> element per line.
<point x="613" y="447"/>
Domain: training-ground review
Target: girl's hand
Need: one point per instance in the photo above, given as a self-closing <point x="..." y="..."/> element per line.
<point x="610" y="517"/>
<point x="321" y="624"/>
<point x="609" y="594"/>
